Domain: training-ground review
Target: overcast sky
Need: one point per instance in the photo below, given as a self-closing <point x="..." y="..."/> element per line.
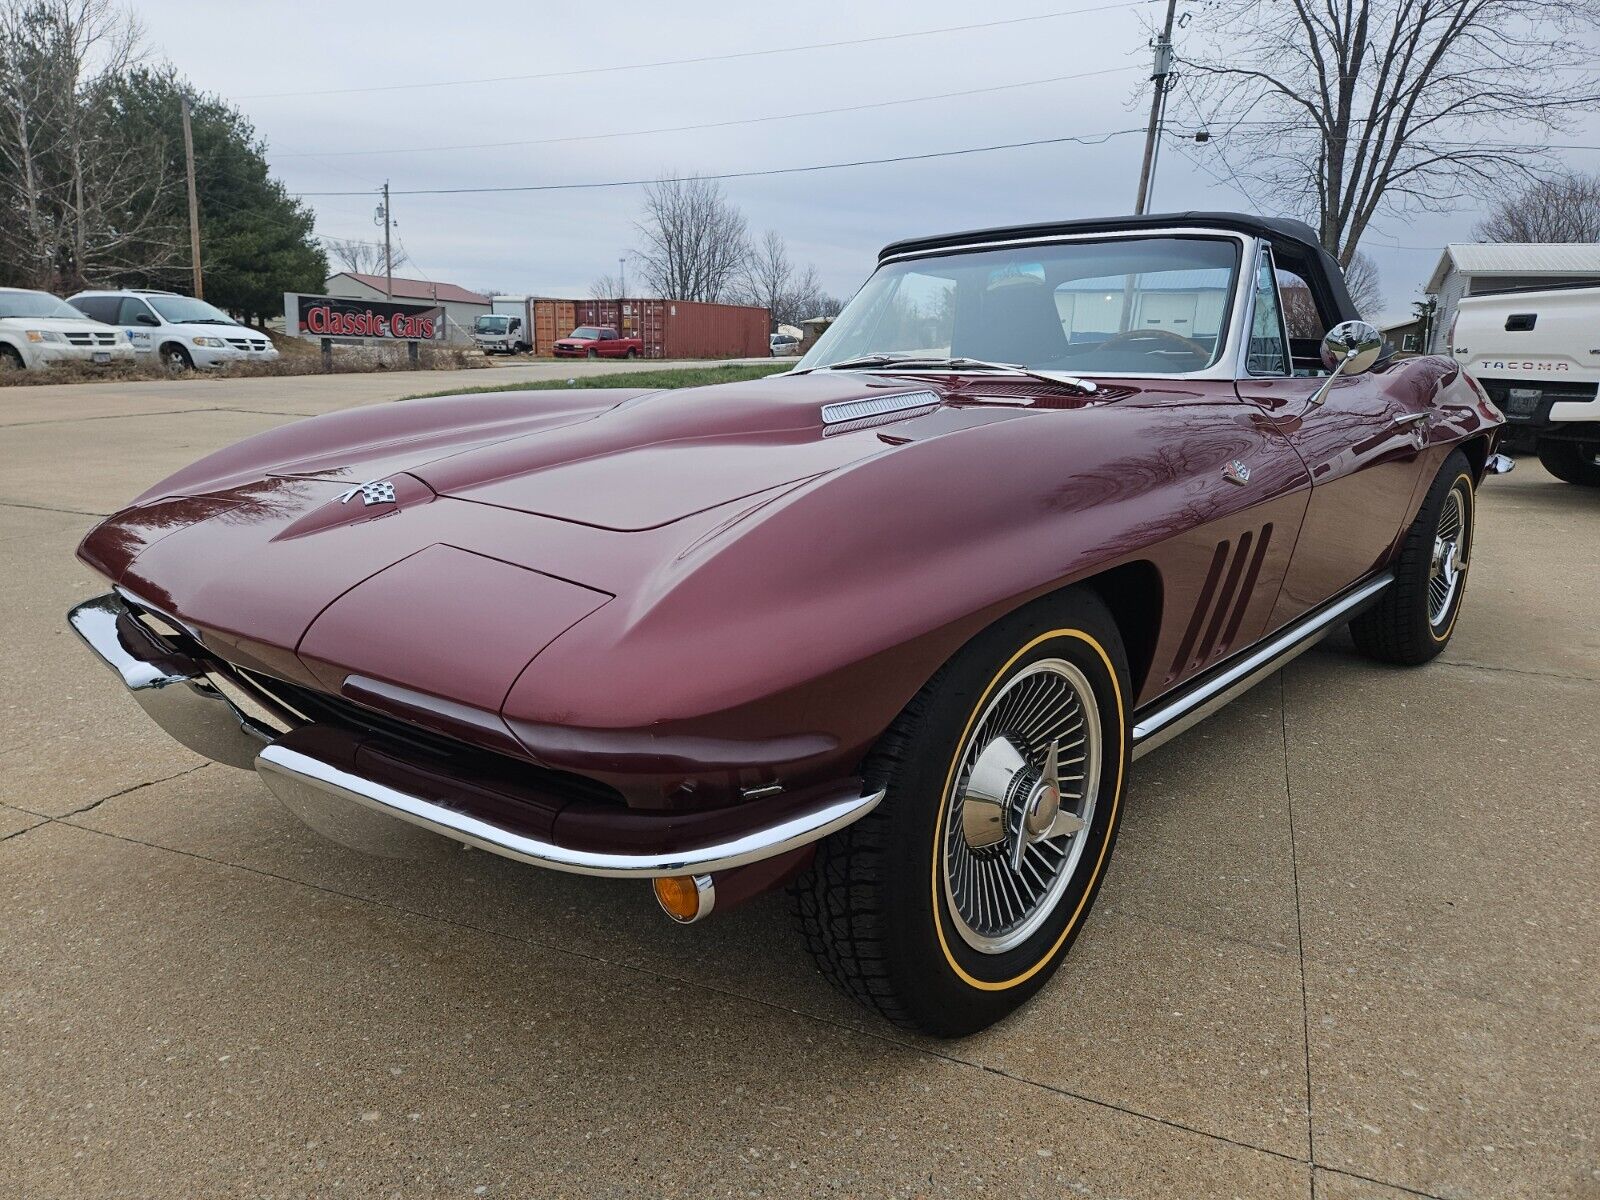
<point x="555" y="243"/>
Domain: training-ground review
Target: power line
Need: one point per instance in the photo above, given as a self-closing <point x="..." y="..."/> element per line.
<point x="1088" y="139"/>
<point x="815" y="112"/>
<point x="704" y="58"/>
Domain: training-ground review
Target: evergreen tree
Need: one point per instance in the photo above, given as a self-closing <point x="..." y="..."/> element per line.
<point x="256" y="241"/>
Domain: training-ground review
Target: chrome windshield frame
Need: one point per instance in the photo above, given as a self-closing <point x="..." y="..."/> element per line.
<point x="1236" y="339"/>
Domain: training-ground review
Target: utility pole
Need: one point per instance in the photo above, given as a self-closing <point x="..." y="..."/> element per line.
<point x="1158" y="104"/>
<point x="622" y="278"/>
<point x="194" y="205"/>
<point x="388" y="253"/>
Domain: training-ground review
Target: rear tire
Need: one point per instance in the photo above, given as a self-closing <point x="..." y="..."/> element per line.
<point x="917" y="911"/>
<point x="1570" y="462"/>
<point x="1416" y="614"/>
<point x="633" y="354"/>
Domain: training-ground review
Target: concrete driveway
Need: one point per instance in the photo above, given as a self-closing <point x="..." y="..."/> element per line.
<point x="1347" y="947"/>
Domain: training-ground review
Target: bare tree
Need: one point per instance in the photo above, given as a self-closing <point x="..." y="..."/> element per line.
<point x="606" y="287"/>
<point x="1300" y="310"/>
<point x="82" y="193"/>
<point x="1362" y="282"/>
<point x="694" y="240"/>
<point x="1345" y="109"/>
<point x="362" y="257"/>
<point x="821" y="305"/>
<point x="767" y="278"/>
<point x="770" y="280"/>
<point x="1563" y="209"/>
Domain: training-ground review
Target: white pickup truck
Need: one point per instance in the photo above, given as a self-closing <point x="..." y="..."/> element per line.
<point x="1537" y="354"/>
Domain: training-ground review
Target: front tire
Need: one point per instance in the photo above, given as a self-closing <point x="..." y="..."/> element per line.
<point x="957" y="898"/>
<point x="1416" y="614"/>
<point x="176" y="358"/>
<point x="592" y="353"/>
<point x="1570" y="462"/>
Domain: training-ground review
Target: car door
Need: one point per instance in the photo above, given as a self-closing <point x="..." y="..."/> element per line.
<point x="139" y="323"/>
<point x="1360" y="443"/>
<point x="1228" y="513"/>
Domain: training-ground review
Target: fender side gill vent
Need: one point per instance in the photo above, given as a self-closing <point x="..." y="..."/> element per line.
<point x="859" y="413"/>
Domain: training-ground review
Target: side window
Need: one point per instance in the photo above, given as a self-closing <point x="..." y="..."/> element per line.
<point x="99" y="308"/>
<point x="132" y="309"/>
<point x="1269" y="350"/>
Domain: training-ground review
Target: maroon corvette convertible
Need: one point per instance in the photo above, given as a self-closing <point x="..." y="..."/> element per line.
<point x="888" y="629"/>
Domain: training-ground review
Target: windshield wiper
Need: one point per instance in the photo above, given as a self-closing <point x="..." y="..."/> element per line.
<point x="937" y="362"/>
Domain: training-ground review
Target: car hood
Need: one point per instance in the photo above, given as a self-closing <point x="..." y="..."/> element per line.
<point x="54" y="324"/>
<point x="513" y="516"/>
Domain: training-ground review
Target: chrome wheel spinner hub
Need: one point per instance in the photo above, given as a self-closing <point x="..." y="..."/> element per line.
<point x="1009" y="802"/>
<point x="1025" y="790"/>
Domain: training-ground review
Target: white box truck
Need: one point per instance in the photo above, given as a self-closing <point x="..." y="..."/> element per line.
<point x="1537" y="354"/>
<point x="507" y="328"/>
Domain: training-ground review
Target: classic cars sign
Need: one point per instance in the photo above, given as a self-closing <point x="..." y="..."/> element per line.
<point x="344" y="317"/>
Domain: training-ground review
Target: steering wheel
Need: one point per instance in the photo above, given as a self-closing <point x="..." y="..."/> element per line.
<point x="1166" y="335"/>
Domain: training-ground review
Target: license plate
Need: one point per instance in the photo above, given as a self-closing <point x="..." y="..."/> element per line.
<point x="1523" y="402"/>
<point x="102" y="356"/>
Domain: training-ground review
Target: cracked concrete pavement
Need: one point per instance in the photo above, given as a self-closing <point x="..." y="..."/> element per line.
<point x="1347" y="947"/>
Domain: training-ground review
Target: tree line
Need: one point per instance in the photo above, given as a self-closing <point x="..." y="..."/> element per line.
<point x="697" y="245"/>
<point x="92" y="170"/>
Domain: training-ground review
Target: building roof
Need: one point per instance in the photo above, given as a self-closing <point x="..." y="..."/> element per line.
<point x="1557" y="259"/>
<point x="417" y="289"/>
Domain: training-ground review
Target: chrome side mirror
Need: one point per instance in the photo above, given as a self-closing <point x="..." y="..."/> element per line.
<point x="1349" y="348"/>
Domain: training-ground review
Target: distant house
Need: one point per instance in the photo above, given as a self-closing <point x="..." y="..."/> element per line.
<point x="1405" y="335"/>
<point x="461" y="307"/>
<point x="1478" y="269"/>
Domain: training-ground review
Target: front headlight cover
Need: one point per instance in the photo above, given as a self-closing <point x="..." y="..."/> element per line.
<point x="44" y="335"/>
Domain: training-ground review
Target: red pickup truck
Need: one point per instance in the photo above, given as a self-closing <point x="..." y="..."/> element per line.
<point x="597" y="341"/>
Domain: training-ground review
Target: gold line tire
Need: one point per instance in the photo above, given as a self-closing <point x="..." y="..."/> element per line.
<point x="1416" y="614"/>
<point x="877" y="907"/>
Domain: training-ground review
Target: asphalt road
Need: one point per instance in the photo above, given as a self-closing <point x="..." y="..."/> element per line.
<point x="1347" y="948"/>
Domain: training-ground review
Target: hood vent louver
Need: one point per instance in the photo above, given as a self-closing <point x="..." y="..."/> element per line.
<point x="875" y="410"/>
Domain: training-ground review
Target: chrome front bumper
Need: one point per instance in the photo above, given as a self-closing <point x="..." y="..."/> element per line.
<point x="308" y="765"/>
<point x="172" y="688"/>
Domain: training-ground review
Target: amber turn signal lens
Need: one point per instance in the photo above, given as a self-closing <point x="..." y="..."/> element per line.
<point x="678" y="896"/>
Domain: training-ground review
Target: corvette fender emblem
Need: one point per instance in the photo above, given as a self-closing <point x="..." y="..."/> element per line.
<point x="377" y="492"/>
<point x="1236" y="472"/>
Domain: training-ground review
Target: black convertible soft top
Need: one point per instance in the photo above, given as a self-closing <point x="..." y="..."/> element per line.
<point x="1294" y="246"/>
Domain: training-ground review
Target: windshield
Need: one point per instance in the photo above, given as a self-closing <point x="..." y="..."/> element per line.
<point x="586" y="331"/>
<point x="184" y="310"/>
<point x="490" y="324"/>
<point x="1129" y="306"/>
<point x="37" y="304"/>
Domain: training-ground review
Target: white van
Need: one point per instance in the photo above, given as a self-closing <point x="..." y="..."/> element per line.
<point x="37" y="330"/>
<point x="183" y="331"/>
<point x="1537" y="354"/>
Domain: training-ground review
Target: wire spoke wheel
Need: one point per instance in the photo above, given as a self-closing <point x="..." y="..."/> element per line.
<point x="1023" y="797"/>
<point x="1452" y="541"/>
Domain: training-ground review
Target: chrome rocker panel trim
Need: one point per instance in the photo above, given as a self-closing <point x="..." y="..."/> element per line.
<point x="1158" y="725"/>
<point x="176" y="693"/>
<point x="283" y="768"/>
